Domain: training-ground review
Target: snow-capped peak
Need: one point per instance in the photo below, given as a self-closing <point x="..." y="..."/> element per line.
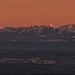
<point x="1" y="27"/>
<point x="52" y="26"/>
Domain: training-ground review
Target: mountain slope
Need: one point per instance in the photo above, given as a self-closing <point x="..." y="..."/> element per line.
<point x="38" y="33"/>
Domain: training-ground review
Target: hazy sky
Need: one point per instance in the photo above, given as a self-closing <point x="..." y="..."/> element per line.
<point x="36" y="12"/>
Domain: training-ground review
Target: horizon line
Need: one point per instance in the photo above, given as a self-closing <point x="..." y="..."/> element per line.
<point x="1" y="27"/>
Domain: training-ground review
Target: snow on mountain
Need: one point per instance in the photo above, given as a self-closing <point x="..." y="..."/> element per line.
<point x="52" y="26"/>
<point x="71" y="28"/>
<point x="67" y="28"/>
<point x="11" y="29"/>
<point x="1" y="27"/>
<point x="39" y="29"/>
<point x="41" y="32"/>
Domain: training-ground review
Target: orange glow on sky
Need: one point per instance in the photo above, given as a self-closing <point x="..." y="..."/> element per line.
<point x="36" y="12"/>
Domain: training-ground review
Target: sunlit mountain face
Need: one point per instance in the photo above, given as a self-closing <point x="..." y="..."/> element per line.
<point x="39" y="33"/>
<point x="1" y="27"/>
<point x="52" y="26"/>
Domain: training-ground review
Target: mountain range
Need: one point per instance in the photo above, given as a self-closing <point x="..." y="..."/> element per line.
<point x="38" y="33"/>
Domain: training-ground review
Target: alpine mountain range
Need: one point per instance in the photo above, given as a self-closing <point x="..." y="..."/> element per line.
<point x="40" y="33"/>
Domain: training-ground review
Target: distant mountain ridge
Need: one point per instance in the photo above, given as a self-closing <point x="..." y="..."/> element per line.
<point x="38" y="33"/>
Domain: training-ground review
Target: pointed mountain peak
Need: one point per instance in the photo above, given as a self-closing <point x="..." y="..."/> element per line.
<point x="51" y="25"/>
<point x="1" y="27"/>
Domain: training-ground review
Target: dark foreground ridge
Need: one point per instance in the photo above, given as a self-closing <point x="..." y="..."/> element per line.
<point x="35" y="58"/>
